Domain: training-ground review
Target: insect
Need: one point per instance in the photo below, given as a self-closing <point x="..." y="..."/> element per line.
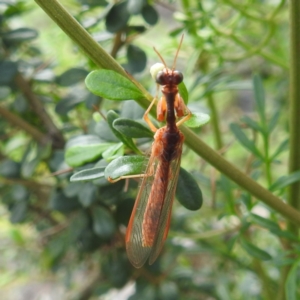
<point x="150" y="219"/>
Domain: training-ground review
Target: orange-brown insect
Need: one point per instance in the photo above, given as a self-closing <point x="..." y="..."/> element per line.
<point x="150" y="219"/>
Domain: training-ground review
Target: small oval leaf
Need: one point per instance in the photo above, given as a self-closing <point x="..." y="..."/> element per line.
<point x="134" y="7"/>
<point x="103" y="223"/>
<point x="117" y="17"/>
<point x="79" y="155"/>
<point x="20" y="35"/>
<point x="18" y="212"/>
<point x="111" y="85"/>
<point x="188" y="192"/>
<point x="113" y="152"/>
<point x="150" y="14"/>
<point x="125" y="165"/>
<point x="8" y="70"/>
<point x="87" y="194"/>
<point x="71" y="76"/>
<point x="132" y="128"/>
<point x="137" y="59"/>
<point x="88" y="174"/>
<point x="111" y="117"/>
<point x="197" y="120"/>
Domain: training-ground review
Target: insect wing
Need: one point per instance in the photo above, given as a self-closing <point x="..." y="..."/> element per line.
<point x="136" y="252"/>
<point x="166" y="211"/>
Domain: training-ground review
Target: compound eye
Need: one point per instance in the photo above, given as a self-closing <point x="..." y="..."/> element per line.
<point x="178" y="77"/>
<point x="161" y="78"/>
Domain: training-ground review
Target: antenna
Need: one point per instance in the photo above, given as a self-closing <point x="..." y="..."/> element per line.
<point x="176" y="55"/>
<point x="161" y="58"/>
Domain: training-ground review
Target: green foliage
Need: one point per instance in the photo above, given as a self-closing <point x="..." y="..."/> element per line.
<point x="62" y="138"/>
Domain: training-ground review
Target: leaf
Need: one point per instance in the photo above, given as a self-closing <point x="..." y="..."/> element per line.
<point x="111" y="117"/>
<point x="183" y="92"/>
<point x="252" y="124"/>
<point x="113" y="152"/>
<point x="254" y="251"/>
<point x="59" y="202"/>
<point x="93" y="3"/>
<point x="273" y="122"/>
<point x="131" y="110"/>
<point x="20" y="104"/>
<point x="243" y="139"/>
<point x="259" y="97"/>
<point x="103" y="130"/>
<point x="117" y="17"/>
<point x="132" y="128"/>
<point x="88" y="174"/>
<point x="79" y="155"/>
<point x="291" y="285"/>
<point x="103" y="223"/>
<point x="111" y="85"/>
<point x="72" y="189"/>
<point x="111" y="194"/>
<point x="5" y="91"/>
<point x="10" y="169"/>
<point x="87" y="194"/>
<point x="136" y="59"/>
<point x="8" y="71"/>
<point x="282" y="147"/>
<point x="188" y="192"/>
<point x="197" y="120"/>
<point x="285" y="234"/>
<point x="67" y="103"/>
<point x="285" y="181"/>
<point x="20" y="35"/>
<point x="125" y="166"/>
<point x="264" y="222"/>
<point x="168" y="290"/>
<point x="134" y="7"/>
<point x="84" y="149"/>
<point x="72" y="76"/>
<point x="18" y="212"/>
<point x="150" y="14"/>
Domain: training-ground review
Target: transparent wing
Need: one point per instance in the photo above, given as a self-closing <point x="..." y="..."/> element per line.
<point x="136" y="252"/>
<point x="166" y="211"/>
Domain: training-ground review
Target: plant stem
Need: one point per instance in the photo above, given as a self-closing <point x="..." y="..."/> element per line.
<point x="294" y="113"/>
<point x="37" y="106"/>
<point x="23" y="125"/>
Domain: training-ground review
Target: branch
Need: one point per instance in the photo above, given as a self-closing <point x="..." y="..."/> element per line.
<point x="19" y="122"/>
<point x="294" y="112"/>
<point x="36" y="105"/>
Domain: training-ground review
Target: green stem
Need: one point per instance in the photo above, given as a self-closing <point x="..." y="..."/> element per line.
<point x="58" y="13"/>
<point x="215" y="121"/>
<point x="267" y="160"/>
<point x="294" y="113"/>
